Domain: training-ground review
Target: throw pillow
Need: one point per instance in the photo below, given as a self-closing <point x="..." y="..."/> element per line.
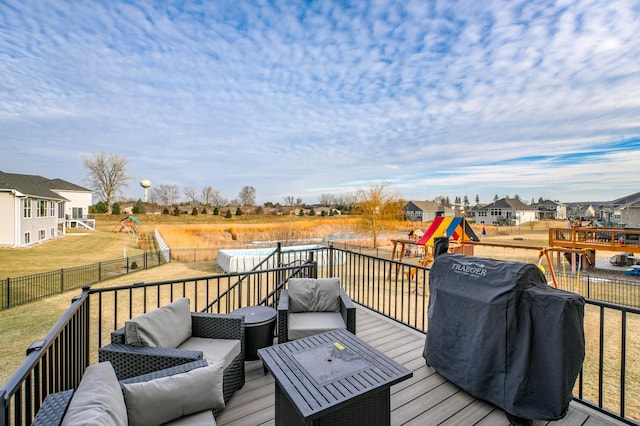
<point x="161" y="400"/>
<point x="314" y="294"/>
<point x="165" y="327"/>
<point x="98" y="400"/>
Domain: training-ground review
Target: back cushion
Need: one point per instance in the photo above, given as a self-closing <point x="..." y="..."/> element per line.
<point x="165" y="327"/>
<point x="314" y="294"/>
<point x="98" y="399"/>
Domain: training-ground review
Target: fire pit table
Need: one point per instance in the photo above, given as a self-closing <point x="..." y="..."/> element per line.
<point x="333" y="378"/>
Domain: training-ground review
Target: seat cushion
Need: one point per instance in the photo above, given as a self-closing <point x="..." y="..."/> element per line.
<point x="165" y="327"/>
<point x="314" y="294"/>
<point x="203" y="418"/>
<point x="98" y="399"/>
<point x="307" y="324"/>
<point x="214" y="350"/>
<point x="160" y="400"/>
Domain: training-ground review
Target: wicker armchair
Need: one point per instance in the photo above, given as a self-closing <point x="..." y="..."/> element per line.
<point x="55" y="405"/>
<point x="320" y="321"/>
<point x="130" y="361"/>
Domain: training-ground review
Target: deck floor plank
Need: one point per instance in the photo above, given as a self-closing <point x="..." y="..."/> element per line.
<point x="426" y="398"/>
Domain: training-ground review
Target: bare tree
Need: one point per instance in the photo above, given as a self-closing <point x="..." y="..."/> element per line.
<point x="191" y="195"/>
<point x="107" y="174"/>
<point x="289" y="200"/>
<point x="166" y="195"/>
<point x="377" y="207"/>
<point x="217" y="200"/>
<point x="247" y="196"/>
<point x="327" y="200"/>
<point x="207" y="195"/>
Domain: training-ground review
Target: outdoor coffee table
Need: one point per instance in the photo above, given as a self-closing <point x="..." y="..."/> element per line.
<point x="332" y="378"/>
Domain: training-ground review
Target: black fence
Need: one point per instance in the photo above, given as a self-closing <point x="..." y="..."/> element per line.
<point x="20" y="290"/>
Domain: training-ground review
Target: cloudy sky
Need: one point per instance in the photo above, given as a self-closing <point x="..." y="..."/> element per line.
<point x="535" y="98"/>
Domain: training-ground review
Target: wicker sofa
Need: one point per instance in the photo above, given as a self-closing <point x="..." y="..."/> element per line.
<point x="101" y="399"/>
<point x="312" y="306"/>
<point x="212" y="337"/>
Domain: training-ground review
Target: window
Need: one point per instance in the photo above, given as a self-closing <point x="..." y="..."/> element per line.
<point x="26" y="207"/>
<point x="42" y="235"/>
<point x="77" y="213"/>
<point x="27" y="237"/>
<point x="52" y="209"/>
<point x="42" y="208"/>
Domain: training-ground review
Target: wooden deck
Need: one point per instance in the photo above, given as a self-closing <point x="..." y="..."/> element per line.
<point x="425" y="399"/>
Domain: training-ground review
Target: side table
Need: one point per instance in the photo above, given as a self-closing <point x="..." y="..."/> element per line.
<point x="259" y="323"/>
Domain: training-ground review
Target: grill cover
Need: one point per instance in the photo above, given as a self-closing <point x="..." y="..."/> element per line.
<point x="498" y="331"/>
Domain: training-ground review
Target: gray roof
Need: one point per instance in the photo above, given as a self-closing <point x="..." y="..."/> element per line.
<point x="31" y="185"/>
<point x="63" y="185"/>
<point x="629" y="200"/>
<point x="427" y="206"/>
<point x="508" y="203"/>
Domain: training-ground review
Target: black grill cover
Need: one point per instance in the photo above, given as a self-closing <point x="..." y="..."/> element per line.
<point x="498" y="331"/>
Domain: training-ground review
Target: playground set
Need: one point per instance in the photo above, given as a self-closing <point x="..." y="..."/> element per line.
<point x="576" y="245"/>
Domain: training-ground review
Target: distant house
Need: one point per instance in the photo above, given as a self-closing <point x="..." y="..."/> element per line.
<point x="625" y="211"/>
<point x="33" y="208"/>
<point x="506" y="211"/>
<point x="426" y="211"/>
<point x="584" y="212"/>
<point x="548" y="209"/>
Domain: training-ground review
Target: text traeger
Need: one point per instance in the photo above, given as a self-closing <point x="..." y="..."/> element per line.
<point x="469" y="270"/>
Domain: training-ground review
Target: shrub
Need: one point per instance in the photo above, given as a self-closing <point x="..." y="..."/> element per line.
<point x="134" y="265"/>
<point x="194" y="211"/>
<point x="228" y="215"/>
<point x="238" y="211"/>
<point x="115" y="208"/>
<point x="216" y="212"/>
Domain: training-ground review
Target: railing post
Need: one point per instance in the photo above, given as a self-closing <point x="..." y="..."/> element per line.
<point x="4" y="414"/>
<point x="8" y="292"/>
<point x="61" y="280"/>
<point x="331" y="254"/>
<point x="99" y="271"/>
<point x="127" y="260"/>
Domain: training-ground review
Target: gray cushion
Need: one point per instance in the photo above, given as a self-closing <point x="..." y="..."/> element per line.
<point x="314" y="294"/>
<point x="165" y="327"/>
<point x="307" y="324"/>
<point x="214" y="350"/>
<point x="203" y="418"/>
<point x="168" y="398"/>
<point x="98" y="399"/>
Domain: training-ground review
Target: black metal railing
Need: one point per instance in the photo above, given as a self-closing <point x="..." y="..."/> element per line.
<point x="609" y="381"/>
<point x="609" y="290"/>
<point x="19" y="290"/>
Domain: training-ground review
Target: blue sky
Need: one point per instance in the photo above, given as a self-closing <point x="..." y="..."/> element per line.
<point x="535" y="98"/>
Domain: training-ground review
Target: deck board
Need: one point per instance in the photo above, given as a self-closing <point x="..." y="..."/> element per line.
<point x="426" y="398"/>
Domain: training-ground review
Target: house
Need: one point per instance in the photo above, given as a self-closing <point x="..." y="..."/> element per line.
<point x="426" y="211"/>
<point x="548" y="209"/>
<point x="626" y="211"/>
<point x="506" y="211"/>
<point x="76" y="208"/>
<point x="33" y="208"/>
<point x="584" y="212"/>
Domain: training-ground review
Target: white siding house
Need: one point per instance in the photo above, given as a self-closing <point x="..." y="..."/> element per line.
<point x="505" y="211"/>
<point x="31" y="211"/>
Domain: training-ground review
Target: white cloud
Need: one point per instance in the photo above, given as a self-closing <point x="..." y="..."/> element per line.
<point x="437" y="98"/>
